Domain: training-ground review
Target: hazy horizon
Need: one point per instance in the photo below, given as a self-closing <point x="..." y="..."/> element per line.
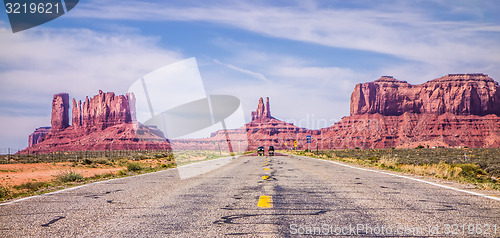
<point x="307" y="56"/>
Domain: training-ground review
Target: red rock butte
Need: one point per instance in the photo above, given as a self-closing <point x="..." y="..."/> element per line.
<point x="457" y="110"/>
<point x="103" y="122"/>
<point x="458" y="94"/>
<point x="263" y="129"/>
<point x="263" y="113"/>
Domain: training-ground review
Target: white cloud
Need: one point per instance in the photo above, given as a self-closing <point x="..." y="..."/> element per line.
<point x="403" y="30"/>
<point x="245" y="71"/>
<point x="314" y="96"/>
<point x="40" y="62"/>
<point x="82" y="61"/>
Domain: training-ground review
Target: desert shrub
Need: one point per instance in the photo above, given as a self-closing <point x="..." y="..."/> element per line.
<point x="373" y="159"/>
<point x="100" y="176"/>
<point x="32" y="186"/>
<point x="87" y="161"/>
<point x="4" y="192"/>
<point x="162" y="155"/>
<point x="134" y="167"/>
<point x="384" y="166"/>
<point x="471" y="170"/>
<point x="70" y="177"/>
<point x="170" y="157"/>
<point x="121" y="161"/>
<point x="168" y="165"/>
<point x="121" y="172"/>
<point x="104" y="161"/>
<point x="140" y="157"/>
<point x="149" y="169"/>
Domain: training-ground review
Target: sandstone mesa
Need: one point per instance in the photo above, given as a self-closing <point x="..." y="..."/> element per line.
<point x="458" y="94"/>
<point x="454" y="110"/>
<point x="103" y="122"/>
<point x="457" y="110"/>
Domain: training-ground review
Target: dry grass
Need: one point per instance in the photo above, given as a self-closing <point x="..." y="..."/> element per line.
<point x="481" y="167"/>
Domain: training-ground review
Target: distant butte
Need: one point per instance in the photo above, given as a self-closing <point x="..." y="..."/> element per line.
<point x="103" y="122"/>
<point x="263" y="113"/>
<point x="458" y="94"/>
<point x="454" y="110"/>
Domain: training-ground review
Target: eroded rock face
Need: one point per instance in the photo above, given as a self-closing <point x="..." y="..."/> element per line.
<point x="458" y="94"/>
<point x="103" y="122"/>
<point x="102" y="111"/>
<point x="126" y="136"/>
<point x="76" y="114"/>
<point x="60" y="116"/>
<point x="455" y="110"/>
<point x="411" y="129"/>
<point x="263" y="130"/>
<point x="263" y="112"/>
<point x="38" y="135"/>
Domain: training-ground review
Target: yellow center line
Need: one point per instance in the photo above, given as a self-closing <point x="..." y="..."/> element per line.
<point x="265" y="177"/>
<point x="265" y="201"/>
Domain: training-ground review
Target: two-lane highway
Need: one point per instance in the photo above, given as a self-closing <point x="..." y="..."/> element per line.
<point x="278" y="196"/>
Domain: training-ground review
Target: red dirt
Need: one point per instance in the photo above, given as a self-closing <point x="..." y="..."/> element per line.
<point x="16" y="174"/>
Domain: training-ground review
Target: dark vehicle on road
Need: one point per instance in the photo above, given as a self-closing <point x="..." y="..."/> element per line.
<point x="260" y="151"/>
<point x="271" y="150"/>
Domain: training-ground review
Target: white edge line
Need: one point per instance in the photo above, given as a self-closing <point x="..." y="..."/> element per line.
<point x="105" y="181"/>
<point x="410" y="178"/>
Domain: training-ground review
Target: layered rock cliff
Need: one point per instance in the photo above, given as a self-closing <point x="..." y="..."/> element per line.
<point x="38" y="135"/>
<point x="103" y="122"/>
<point x="454" y="110"/>
<point x="458" y="94"/>
<point x="411" y="129"/>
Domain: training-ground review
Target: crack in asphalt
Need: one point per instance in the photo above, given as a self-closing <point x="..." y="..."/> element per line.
<point x="229" y="219"/>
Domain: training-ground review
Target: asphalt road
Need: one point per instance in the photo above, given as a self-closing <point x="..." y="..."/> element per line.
<point x="300" y="196"/>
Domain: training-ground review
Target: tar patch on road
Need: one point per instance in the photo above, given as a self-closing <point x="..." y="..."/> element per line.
<point x="99" y="195"/>
<point x="53" y="221"/>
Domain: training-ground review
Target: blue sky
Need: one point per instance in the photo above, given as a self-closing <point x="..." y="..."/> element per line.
<point x="307" y="56"/>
